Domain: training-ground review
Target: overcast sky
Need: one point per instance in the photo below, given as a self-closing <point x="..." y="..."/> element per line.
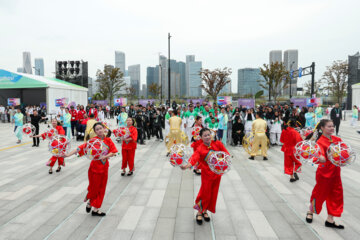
<point x="225" y="33"/>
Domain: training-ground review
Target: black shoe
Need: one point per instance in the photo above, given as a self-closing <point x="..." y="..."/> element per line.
<point x="168" y="154"/>
<point x="88" y="208"/>
<point x="333" y="225"/>
<point x="197" y="172"/>
<point x="292" y="180"/>
<point x="123" y="174"/>
<point x="38" y="145"/>
<point x="58" y="169"/>
<point x="296" y="176"/>
<point x="309" y="220"/>
<point x="252" y="158"/>
<point x="207" y="219"/>
<point x="199" y="220"/>
<point x="98" y="213"/>
<point x="265" y="158"/>
<point x="130" y="173"/>
<point x="50" y="171"/>
<point x="33" y="145"/>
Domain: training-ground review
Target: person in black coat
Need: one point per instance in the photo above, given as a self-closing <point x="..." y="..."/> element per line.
<point x="140" y="126"/>
<point x="336" y="115"/>
<point x="158" y="125"/>
<point x="238" y="131"/>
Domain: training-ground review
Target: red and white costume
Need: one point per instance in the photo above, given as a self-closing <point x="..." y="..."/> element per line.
<point x="128" y="150"/>
<point x="60" y="130"/>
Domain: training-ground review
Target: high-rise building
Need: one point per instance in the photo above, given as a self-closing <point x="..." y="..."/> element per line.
<point x="72" y="71"/>
<point x="248" y="81"/>
<point x="39" y="66"/>
<point x="181" y="69"/>
<point x="189" y="59"/>
<point x="27" y="62"/>
<point x="127" y="81"/>
<point x="163" y="76"/>
<point x="354" y="77"/>
<point x="20" y="70"/>
<point x="226" y="89"/>
<point x="150" y="79"/>
<point x="134" y="74"/>
<point x="144" y="91"/>
<point x="194" y="77"/>
<point x="275" y="56"/>
<point x="291" y="64"/>
<point x="120" y="61"/>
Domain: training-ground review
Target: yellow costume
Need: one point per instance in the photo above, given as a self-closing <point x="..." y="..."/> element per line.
<point x="260" y="138"/>
<point x="89" y="131"/>
<point x="176" y="136"/>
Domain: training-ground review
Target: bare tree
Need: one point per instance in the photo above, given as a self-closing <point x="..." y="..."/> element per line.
<point x="336" y="79"/>
<point x="276" y="77"/>
<point x="317" y="87"/>
<point x="130" y="92"/>
<point x="110" y="82"/>
<point x="214" y="81"/>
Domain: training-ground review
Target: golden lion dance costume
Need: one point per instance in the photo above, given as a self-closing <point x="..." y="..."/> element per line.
<point x="175" y="136"/>
<point x="260" y="138"/>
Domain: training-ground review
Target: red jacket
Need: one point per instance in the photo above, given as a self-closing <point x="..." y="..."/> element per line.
<point x="96" y="165"/>
<point x="74" y="115"/>
<point x="133" y="135"/>
<point x="289" y="137"/>
<point x="93" y="111"/>
<point x="327" y="169"/>
<point x="80" y="115"/>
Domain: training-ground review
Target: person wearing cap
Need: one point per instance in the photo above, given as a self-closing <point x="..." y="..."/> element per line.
<point x="190" y="116"/>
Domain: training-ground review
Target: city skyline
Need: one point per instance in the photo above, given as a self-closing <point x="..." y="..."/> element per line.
<point x="234" y="49"/>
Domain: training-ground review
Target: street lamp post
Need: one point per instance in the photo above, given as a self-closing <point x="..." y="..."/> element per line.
<point x="291" y="78"/>
<point x="169" y="97"/>
<point x="160" y="67"/>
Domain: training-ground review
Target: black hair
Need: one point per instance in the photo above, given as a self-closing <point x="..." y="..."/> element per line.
<point x="91" y="115"/>
<point x="291" y="123"/>
<point x="99" y="123"/>
<point x="175" y="112"/>
<point x="203" y="130"/>
<point x="321" y="124"/>
<point x="198" y="118"/>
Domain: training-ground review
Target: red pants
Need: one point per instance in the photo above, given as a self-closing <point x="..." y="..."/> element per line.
<point x="53" y="160"/>
<point x="96" y="188"/>
<point x="128" y="156"/>
<point x="291" y="164"/>
<point x="207" y="196"/>
<point x="329" y="190"/>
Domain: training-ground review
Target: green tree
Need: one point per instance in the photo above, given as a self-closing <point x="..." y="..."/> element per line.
<point x="154" y="90"/>
<point x="110" y="82"/>
<point x="214" y="81"/>
<point x="276" y="77"/>
<point x="336" y="78"/>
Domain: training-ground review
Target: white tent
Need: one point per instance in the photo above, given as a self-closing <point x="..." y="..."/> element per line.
<point x="33" y="89"/>
<point x="356" y="94"/>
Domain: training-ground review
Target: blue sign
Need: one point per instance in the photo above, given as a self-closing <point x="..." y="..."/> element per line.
<point x="291" y="74"/>
<point x="300" y="72"/>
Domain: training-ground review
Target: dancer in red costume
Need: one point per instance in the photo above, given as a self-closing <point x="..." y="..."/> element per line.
<point x="210" y="181"/>
<point x="328" y="179"/>
<point x="129" y="148"/>
<point x="98" y="171"/>
<point x="60" y="131"/>
<point x="290" y="137"/>
<point x="196" y="143"/>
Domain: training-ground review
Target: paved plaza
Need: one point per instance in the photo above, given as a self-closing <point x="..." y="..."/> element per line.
<point x="256" y="200"/>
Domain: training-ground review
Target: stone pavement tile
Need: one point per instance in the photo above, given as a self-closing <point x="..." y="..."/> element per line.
<point x="260" y="224"/>
<point x="202" y="232"/>
<point x="164" y="229"/>
<point x="120" y="235"/>
<point x="15" y="212"/>
<point x="142" y="197"/>
<point x="184" y="236"/>
<point x="184" y="220"/>
<point x="161" y="183"/>
<point x="169" y="207"/>
<point x="41" y="232"/>
<point x="148" y="220"/>
<point x="222" y="223"/>
<point x="156" y="198"/>
<point x="186" y="199"/>
<point x="8" y="232"/>
<point x="305" y="233"/>
<point x="289" y="215"/>
<point x="131" y="218"/>
<point x="140" y="235"/>
<point x="69" y="227"/>
<point x="225" y="237"/>
<point x="278" y="223"/>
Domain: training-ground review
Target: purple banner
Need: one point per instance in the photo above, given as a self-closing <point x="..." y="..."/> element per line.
<point x="144" y="102"/>
<point x="195" y="101"/>
<point x="42" y="104"/>
<point x="246" y="102"/>
<point x="301" y="102"/>
<point x="100" y="102"/>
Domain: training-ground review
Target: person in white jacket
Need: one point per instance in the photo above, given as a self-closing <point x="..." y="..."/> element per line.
<point x="275" y="129"/>
<point x="249" y="118"/>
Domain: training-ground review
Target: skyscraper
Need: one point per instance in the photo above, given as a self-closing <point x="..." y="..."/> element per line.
<point x="150" y="79"/>
<point x="20" y="70"/>
<point x="189" y="59"/>
<point x="248" y="81"/>
<point x="39" y="66"/>
<point x="134" y="73"/>
<point x="194" y="77"/>
<point x="354" y="77"/>
<point x="275" y="56"/>
<point x="27" y="62"/>
<point x="291" y="64"/>
<point x="163" y="76"/>
<point x="120" y="61"/>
